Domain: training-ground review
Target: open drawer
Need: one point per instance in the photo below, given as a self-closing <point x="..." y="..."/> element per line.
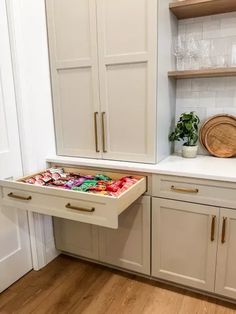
<point x="102" y="210"/>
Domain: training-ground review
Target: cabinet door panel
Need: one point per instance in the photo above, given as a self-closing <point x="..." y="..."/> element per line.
<point x="226" y="257"/>
<point x="75" y="110"/>
<point x="125" y="87"/>
<point x="182" y="248"/>
<point x="123" y="32"/>
<point x="76" y="238"/>
<point x="129" y="246"/>
<point x="127" y="41"/>
<point x="71" y="29"/>
<point x="74" y="74"/>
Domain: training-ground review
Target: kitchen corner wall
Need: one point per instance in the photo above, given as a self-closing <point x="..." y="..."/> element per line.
<point x="209" y="96"/>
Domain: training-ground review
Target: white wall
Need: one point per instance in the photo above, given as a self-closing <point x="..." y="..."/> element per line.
<point x="209" y="96"/>
<point x="166" y="88"/>
<point x="27" y="25"/>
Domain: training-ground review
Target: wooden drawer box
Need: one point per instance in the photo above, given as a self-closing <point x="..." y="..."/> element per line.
<point x="100" y="209"/>
<point x="217" y="193"/>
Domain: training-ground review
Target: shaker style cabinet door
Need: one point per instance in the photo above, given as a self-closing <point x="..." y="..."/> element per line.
<point x="127" y="44"/>
<point x="76" y="238"/>
<point x="184" y="243"/>
<point x="129" y="246"/>
<point x="226" y="256"/>
<point x="74" y="74"/>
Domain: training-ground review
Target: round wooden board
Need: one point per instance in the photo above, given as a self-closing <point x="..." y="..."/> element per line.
<point x="220" y="139"/>
<point x="211" y="121"/>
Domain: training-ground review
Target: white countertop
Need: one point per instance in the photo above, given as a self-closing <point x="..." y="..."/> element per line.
<point x="203" y="167"/>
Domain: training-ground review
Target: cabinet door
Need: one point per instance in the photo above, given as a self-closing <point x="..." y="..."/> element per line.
<point x="226" y="256"/>
<point x="76" y="238"/>
<point x="129" y="245"/>
<point x="127" y="41"/>
<point x="184" y="243"/>
<point x="74" y="73"/>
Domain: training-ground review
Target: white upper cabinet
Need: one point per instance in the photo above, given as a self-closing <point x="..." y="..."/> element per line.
<point x="74" y="73"/>
<point x="127" y="34"/>
<point x="103" y="65"/>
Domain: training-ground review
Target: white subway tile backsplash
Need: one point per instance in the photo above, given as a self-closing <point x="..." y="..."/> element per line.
<point x="200" y="84"/>
<point x="227" y="26"/>
<point x="194" y="29"/>
<point x="211" y="29"/>
<point x="225" y="99"/>
<point x="207" y="99"/>
<point x="184" y="85"/>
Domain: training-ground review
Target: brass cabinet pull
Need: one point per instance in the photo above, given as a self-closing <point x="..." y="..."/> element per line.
<point x="88" y="210"/>
<point x="223" y="230"/>
<point x="103" y="133"/>
<point x="96" y="131"/>
<point x="213" y="224"/>
<point x="185" y="190"/>
<point x="23" y="198"/>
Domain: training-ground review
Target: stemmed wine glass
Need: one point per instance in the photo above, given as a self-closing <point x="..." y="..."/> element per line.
<point x="178" y="47"/>
<point x="192" y="53"/>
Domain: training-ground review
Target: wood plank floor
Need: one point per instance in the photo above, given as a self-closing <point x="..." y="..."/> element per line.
<point x="68" y="285"/>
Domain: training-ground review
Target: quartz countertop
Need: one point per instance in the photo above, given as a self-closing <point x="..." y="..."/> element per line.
<point x="202" y="167"/>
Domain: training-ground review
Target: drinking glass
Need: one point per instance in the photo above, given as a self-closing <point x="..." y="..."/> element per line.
<point x="192" y="53"/>
<point x="178" y="47"/>
<point x="233" y="55"/>
<point x="205" y="54"/>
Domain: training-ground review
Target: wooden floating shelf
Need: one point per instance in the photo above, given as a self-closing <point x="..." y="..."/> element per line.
<point x="195" y="8"/>
<point x="219" y="72"/>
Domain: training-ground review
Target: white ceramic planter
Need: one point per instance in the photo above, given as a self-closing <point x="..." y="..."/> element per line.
<point x="189" y="151"/>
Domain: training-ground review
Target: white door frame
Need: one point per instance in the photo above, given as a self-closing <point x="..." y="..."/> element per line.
<point x="42" y="253"/>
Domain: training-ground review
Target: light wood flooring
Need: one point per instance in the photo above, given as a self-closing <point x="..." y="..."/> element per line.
<point x="68" y="285"/>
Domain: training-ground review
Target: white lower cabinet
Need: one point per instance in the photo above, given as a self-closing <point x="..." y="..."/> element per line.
<point x="184" y="243"/>
<point x="129" y="246"/>
<point x="226" y="257"/>
<point x="76" y="238"/>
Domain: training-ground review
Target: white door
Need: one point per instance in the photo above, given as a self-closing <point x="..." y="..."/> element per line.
<point x="129" y="245"/>
<point x="226" y="256"/>
<point x="184" y="243"/>
<point x="15" y="252"/>
<point x="127" y="41"/>
<point x="74" y="72"/>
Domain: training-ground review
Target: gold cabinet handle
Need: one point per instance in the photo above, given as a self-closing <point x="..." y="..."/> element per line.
<point x="23" y="198"/>
<point x="96" y="131"/>
<point x="183" y="190"/>
<point x="88" y="210"/>
<point x="223" y="230"/>
<point x="103" y="133"/>
<point x="213" y="224"/>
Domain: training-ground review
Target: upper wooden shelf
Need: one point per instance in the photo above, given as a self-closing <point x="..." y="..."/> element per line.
<point x="195" y="8"/>
<point x="219" y="72"/>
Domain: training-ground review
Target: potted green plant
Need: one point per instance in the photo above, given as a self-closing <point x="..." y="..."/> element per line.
<point x="187" y="131"/>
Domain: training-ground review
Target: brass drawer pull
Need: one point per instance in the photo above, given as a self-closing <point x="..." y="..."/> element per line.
<point x="23" y="198"/>
<point x="80" y="208"/>
<point x="223" y="230"/>
<point x="183" y="190"/>
<point x="103" y="133"/>
<point x="213" y="224"/>
<point x="96" y="131"/>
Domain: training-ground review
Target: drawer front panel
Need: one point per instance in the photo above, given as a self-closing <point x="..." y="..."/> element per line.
<point x="85" y="207"/>
<point x="195" y="190"/>
<point x="79" y="210"/>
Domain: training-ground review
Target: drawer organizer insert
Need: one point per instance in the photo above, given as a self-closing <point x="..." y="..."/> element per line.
<point x="85" y="195"/>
